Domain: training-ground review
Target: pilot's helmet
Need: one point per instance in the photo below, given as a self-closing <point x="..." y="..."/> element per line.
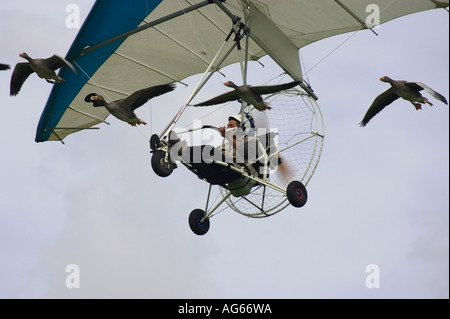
<point x="243" y="123"/>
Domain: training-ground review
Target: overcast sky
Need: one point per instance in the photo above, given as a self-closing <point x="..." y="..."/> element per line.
<point x="379" y="195"/>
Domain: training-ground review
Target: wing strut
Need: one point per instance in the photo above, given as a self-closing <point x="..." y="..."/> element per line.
<point x="88" y="115"/>
<point x="363" y="24"/>
<point x="55" y="133"/>
<point x="274" y="42"/>
<point x="237" y="29"/>
<point x="148" y="25"/>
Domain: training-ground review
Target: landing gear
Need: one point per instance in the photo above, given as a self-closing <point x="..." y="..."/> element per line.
<point x="161" y="163"/>
<point x="296" y="194"/>
<point x="198" y="223"/>
<point x="155" y="142"/>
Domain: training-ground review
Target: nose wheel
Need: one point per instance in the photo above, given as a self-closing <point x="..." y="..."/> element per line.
<point x="161" y="163"/>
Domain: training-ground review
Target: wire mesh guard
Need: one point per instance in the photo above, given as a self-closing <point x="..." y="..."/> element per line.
<point x="297" y="119"/>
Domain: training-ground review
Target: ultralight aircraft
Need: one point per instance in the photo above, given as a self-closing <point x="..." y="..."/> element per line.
<point x="123" y="47"/>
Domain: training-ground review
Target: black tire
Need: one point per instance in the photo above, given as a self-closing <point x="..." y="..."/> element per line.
<point x="297" y="194"/>
<point x="154" y="142"/>
<point x="198" y="226"/>
<point x="160" y="165"/>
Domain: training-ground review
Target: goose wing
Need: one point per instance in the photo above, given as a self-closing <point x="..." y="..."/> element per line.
<point x="223" y="98"/>
<point x="269" y="89"/>
<point x="4" y="67"/>
<point x="55" y="62"/>
<point x="21" y="72"/>
<point x="430" y="91"/>
<point x="381" y="101"/>
<point x="140" y="97"/>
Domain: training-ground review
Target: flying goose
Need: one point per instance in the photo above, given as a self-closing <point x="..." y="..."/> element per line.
<point x="249" y="94"/>
<point x="409" y="91"/>
<point x="124" y="109"/>
<point x="44" y="68"/>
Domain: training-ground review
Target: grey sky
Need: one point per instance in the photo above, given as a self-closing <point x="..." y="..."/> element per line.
<point x="379" y="195"/>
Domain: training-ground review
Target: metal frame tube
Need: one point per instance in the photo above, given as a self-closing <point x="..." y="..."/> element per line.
<point x="254" y="178"/>
<point x="208" y="214"/>
<point x="147" y="26"/>
<point x="201" y="83"/>
<point x="363" y="24"/>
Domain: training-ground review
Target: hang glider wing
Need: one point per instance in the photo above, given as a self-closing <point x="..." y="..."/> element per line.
<point x="122" y="48"/>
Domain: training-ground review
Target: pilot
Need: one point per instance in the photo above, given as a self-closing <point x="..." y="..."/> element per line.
<point x="237" y="136"/>
<point x="237" y="148"/>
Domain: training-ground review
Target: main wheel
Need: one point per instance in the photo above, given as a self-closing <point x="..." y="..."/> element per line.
<point x="296" y="194"/>
<point x="196" y="222"/>
<point x="161" y="165"/>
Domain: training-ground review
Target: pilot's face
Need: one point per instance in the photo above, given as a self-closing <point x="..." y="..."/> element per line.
<point x="232" y="124"/>
<point x="230" y="132"/>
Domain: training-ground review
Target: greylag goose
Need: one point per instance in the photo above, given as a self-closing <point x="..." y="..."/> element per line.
<point x="124" y="109"/>
<point x="44" y="68"/>
<point x="249" y="94"/>
<point x="409" y="91"/>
